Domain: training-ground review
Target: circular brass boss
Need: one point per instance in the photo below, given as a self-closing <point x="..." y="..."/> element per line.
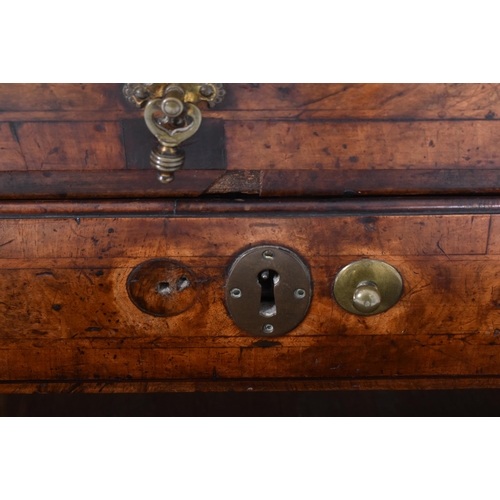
<point x="367" y="287"/>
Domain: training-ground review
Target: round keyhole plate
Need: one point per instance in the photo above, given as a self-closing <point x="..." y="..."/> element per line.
<point x="245" y="308"/>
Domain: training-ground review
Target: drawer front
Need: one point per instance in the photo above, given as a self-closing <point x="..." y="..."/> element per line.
<point x="61" y="141"/>
<point x="67" y="316"/>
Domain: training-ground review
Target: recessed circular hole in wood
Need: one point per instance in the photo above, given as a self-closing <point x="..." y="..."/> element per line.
<point x="162" y="287"/>
<point x="182" y="283"/>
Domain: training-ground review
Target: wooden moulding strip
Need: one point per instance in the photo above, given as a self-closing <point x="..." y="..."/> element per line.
<point x="208" y="208"/>
<point x="107" y="184"/>
<point x="380" y="182"/>
<point x="94" y="184"/>
<point x="164" y="386"/>
<point x="264" y="101"/>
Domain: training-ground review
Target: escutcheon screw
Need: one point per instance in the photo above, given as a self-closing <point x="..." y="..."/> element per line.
<point x="268" y="254"/>
<point x="268" y="328"/>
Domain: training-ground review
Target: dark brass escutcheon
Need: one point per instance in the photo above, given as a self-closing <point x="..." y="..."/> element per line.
<point x="268" y="291"/>
<point x="367" y="287"/>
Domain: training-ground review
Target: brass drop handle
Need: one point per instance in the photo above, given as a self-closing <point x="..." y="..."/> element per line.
<point x="172" y="116"/>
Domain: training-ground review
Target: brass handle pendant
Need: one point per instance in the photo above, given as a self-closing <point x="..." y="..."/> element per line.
<point x="172" y="116"/>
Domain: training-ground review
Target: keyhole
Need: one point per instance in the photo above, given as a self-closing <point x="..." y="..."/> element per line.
<point x="268" y="279"/>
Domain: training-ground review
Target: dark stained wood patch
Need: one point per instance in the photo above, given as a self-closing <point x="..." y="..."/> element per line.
<point x="204" y="151"/>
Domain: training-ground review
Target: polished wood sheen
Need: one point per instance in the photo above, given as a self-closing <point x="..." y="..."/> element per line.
<point x="114" y="282"/>
<point x="94" y="102"/>
<point x="86" y="141"/>
<point x="66" y="313"/>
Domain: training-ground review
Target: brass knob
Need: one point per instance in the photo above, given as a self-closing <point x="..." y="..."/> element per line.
<point x="172" y="104"/>
<point x="366" y="297"/>
<point x="172" y="107"/>
<point x="367" y="287"/>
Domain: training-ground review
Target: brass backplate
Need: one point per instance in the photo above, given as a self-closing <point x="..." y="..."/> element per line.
<point x="268" y="291"/>
<point x="384" y="276"/>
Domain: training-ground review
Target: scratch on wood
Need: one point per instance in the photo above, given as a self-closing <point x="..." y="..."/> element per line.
<point x="328" y="96"/>
<point x="440" y="248"/>
<point x="13" y="130"/>
<point x="488" y="236"/>
<point x="6" y="243"/>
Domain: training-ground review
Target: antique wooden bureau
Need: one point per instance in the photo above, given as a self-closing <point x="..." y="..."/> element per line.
<point x="297" y="237"/>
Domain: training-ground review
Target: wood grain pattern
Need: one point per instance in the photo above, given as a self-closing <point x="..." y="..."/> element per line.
<point x="67" y="320"/>
<point x="102" y="184"/>
<point x="98" y="102"/>
<point x="36" y="97"/>
<point x="98" y="184"/>
<point x="369" y="101"/>
<point x="379" y="182"/>
<point x="11" y="156"/>
<point x="420" y="356"/>
<point x="494" y="239"/>
<point x="65" y="299"/>
<point x="108" y="160"/>
<point x="173" y="238"/>
<point x="363" y="146"/>
<point x="310" y="140"/>
<point x="303" y="207"/>
<point x="230" y="207"/>
<point x="66" y="314"/>
<point x="249" y="385"/>
<point x="67" y="146"/>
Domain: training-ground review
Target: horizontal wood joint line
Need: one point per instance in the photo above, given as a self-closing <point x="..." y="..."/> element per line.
<point x="248" y="386"/>
<point x="285" y="207"/>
